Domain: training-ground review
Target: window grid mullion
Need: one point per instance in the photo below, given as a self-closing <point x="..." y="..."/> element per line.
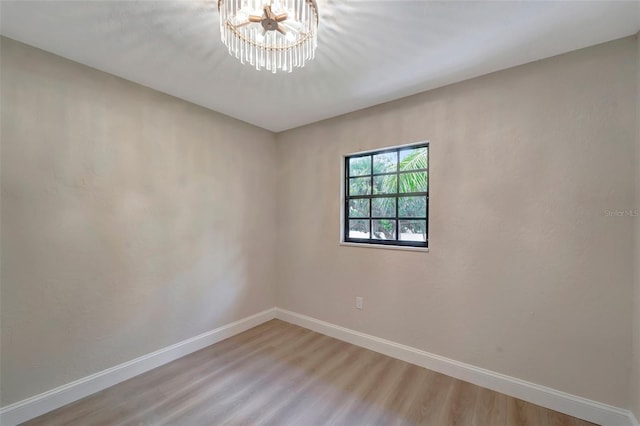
<point x="371" y="193"/>
<point x="390" y="195"/>
<point x="402" y="172"/>
<point x="393" y="218"/>
<point x="397" y="194"/>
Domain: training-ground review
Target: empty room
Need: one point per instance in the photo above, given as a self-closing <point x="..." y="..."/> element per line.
<point x="319" y="212"/>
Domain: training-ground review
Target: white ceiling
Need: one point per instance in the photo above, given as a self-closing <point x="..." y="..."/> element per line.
<point x="369" y="52"/>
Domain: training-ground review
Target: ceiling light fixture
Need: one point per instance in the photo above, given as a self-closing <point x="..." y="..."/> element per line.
<point x="270" y="34"/>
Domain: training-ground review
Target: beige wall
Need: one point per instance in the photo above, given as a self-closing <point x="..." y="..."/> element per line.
<point x="526" y="275"/>
<point x="131" y="220"/>
<point x="635" y="388"/>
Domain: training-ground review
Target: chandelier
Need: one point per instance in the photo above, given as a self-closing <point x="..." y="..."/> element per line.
<point x="270" y="34"/>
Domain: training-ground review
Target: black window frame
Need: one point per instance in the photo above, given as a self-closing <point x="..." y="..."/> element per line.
<point x="396" y="195"/>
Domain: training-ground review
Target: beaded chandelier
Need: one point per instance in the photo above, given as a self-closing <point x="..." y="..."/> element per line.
<point x="270" y="34"/>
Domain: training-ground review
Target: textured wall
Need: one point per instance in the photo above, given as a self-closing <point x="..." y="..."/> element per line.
<point x="635" y="386"/>
<point x="131" y="220"/>
<point x="526" y="274"/>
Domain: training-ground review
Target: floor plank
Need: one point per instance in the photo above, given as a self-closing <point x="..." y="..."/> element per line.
<point x="282" y="374"/>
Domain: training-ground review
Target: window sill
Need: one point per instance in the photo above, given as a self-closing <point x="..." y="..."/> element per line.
<point x="386" y="247"/>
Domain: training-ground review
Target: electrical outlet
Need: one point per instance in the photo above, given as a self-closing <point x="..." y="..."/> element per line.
<point x="359" y="302"/>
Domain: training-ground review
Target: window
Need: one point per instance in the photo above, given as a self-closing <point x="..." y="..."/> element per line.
<point x="387" y="197"/>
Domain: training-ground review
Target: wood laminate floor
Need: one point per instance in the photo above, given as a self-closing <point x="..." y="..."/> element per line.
<point x="282" y="374"/>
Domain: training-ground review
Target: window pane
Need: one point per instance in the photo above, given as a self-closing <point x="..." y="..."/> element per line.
<point x="412" y="206"/>
<point x="384" y="229"/>
<point x="413" y="230"/>
<point x="413" y="182"/>
<point x="385" y="184"/>
<point x="360" y="186"/>
<point x="385" y="163"/>
<point x="358" y="229"/>
<point x="359" y="166"/>
<point x="411" y="159"/>
<point x="359" y="208"/>
<point x="383" y="207"/>
<point x="387" y="196"/>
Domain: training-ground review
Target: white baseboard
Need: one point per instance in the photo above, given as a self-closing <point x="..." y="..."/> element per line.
<point x="563" y="402"/>
<point x="30" y="408"/>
